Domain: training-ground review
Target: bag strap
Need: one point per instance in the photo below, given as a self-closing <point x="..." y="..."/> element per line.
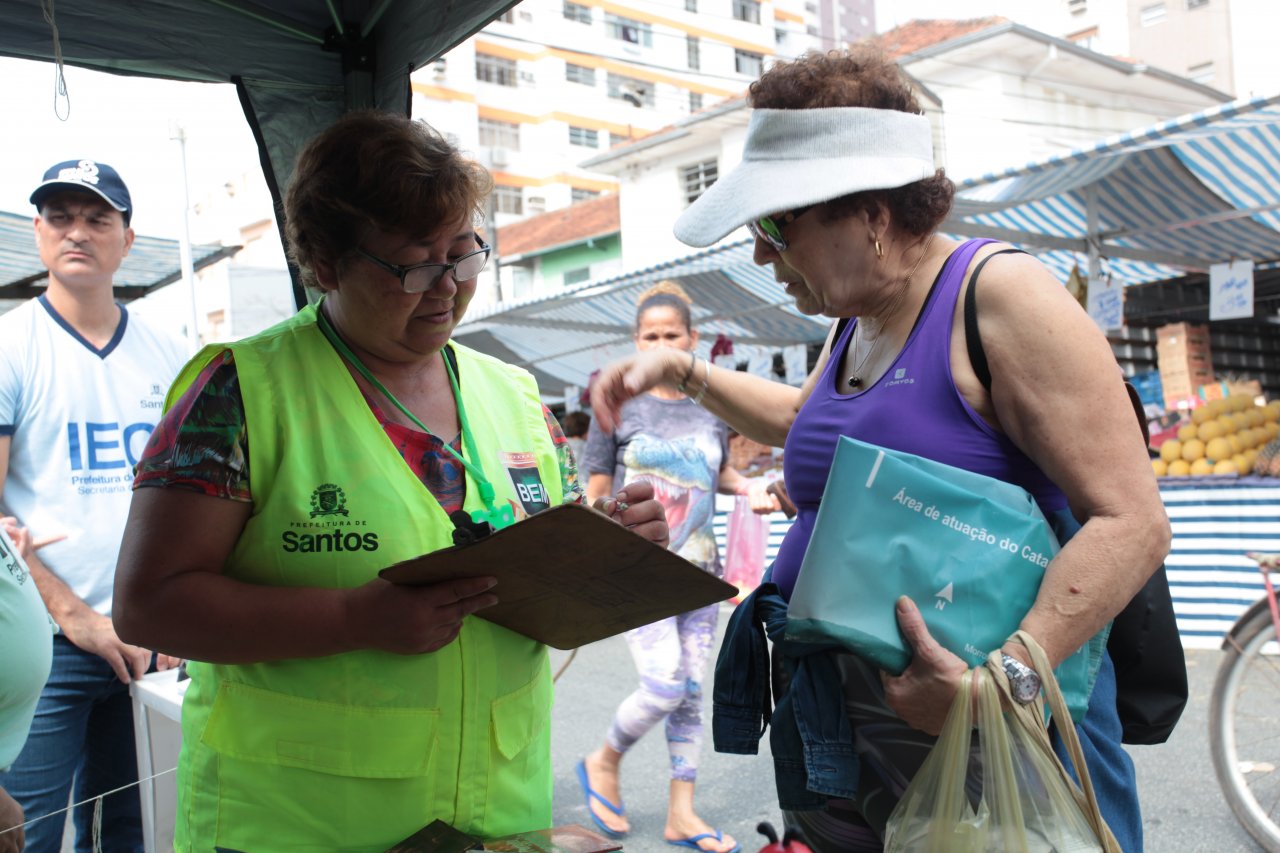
<point x="978" y="356"/>
<point x="1031" y="718"/>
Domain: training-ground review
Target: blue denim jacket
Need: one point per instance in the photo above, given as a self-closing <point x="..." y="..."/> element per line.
<point x="811" y="739"/>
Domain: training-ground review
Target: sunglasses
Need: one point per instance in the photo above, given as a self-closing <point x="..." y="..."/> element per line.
<point x="420" y="278"/>
<point x="769" y="228"/>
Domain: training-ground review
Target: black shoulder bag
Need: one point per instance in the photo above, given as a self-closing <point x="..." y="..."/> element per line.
<point x="1151" y="671"/>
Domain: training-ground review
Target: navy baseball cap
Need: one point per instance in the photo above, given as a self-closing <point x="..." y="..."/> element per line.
<point x="98" y="178"/>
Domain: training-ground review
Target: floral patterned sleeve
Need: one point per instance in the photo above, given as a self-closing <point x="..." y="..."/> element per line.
<point x="202" y="442"/>
<point x="573" y="493"/>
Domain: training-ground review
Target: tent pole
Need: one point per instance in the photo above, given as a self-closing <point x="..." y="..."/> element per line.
<point x="1093" y="237"/>
<point x="179" y="134"/>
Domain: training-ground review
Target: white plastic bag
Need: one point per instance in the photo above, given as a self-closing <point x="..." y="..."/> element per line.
<point x="1019" y="799"/>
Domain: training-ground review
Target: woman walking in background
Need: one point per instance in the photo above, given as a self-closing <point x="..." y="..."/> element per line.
<point x="666" y="439"/>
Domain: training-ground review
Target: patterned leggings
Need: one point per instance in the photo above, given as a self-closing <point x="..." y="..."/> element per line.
<point x="671" y="656"/>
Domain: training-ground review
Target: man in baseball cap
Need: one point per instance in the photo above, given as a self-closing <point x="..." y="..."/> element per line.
<point x="97" y="178"/>
<point x="98" y="374"/>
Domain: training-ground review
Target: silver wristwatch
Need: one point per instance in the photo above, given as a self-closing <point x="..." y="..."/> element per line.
<point x="1024" y="684"/>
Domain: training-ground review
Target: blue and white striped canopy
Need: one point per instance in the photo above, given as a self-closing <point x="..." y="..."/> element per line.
<point x="562" y="338"/>
<point x="1176" y="196"/>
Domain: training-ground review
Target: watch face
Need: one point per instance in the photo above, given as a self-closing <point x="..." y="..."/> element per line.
<point x="1025" y="689"/>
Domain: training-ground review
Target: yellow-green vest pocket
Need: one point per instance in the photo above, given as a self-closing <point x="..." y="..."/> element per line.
<point x="252" y="724"/>
<point x="520" y="716"/>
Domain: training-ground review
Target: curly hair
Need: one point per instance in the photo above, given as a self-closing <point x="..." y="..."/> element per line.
<point x="666" y="294"/>
<point x="862" y="76"/>
<point x="373" y="170"/>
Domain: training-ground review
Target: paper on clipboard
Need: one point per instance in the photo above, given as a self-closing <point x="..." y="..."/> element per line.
<point x="569" y="576"/>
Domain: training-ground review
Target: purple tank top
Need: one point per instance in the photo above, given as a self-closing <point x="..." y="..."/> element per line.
<point x="914" y="407"/>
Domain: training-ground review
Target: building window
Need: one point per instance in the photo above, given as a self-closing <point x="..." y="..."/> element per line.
<point x="693" y="48"/>
<point x="638" y="93"/>
<point x="1077" y="7"/>
<point x="495" y="69"/>
<point x="499" y="134"/>
<point x="577" y="12"/>
<point x="695" y="101"/>
<point x="747" y="10"/>
<point x="779" y="36"/>
<point x="746" y="62"/>
<point x="508" y="200"/>
<point x="628" y="30"/>
<point x="577" y="194"/>
<point x="1154" y="14"/>
<point x="691" y="5"/>
<point x="1197" y="4"/>
<point x="696" y="179"/>
<point x="507" y="17"/>
<point x="579" y="74"/>
<point x="577" y="276"/>
<point x="618" y="139"/>
<point x="1085" y="38"/>
<point x="1202" y="73"/>
<point x="584" y="136"/>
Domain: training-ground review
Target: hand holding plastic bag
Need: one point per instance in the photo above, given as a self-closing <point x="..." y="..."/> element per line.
<point x="1016" y="797"/>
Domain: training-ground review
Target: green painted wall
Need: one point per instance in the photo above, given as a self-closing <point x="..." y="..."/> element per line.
<point x="556" y="263"/>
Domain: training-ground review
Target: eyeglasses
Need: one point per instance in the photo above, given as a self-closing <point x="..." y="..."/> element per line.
<point x="769" y="228"/>
<point x="419" y="278"/>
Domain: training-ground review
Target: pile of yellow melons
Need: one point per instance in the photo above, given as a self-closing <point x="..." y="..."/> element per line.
<point x="1224" y="437"/>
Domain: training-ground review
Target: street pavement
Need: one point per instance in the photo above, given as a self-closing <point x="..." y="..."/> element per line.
<point x="1183" y="807"/>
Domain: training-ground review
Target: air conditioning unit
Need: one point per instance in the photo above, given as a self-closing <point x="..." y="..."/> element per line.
<point x="499" y="156"/>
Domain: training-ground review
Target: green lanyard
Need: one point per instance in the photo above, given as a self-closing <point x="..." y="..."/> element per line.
<point x="498" y="517"/>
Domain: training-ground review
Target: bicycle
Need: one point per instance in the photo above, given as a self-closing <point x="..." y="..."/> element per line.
<point x="1243" y="739"/>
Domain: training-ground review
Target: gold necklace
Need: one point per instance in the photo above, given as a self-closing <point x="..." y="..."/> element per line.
<point x="855" y="380"/>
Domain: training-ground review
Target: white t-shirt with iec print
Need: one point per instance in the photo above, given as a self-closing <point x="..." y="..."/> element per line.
<point x="78" y="419"/>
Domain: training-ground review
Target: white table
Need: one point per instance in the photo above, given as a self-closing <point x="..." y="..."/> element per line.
<point x="157" y="713"/>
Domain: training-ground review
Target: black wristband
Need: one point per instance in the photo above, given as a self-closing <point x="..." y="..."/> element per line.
<point x="693" y="363"/>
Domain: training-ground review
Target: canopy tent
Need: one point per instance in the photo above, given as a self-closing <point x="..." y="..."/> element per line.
<point x="1153" y="203"/>
<point x="151" y="263"/>
<point x="296" y="64"/>
<point x="562" y="338"/>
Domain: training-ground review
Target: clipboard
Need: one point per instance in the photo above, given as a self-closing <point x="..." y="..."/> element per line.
<point x="569" y="576"/>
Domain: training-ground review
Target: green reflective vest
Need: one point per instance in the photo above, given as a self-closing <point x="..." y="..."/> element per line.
<point x="357" y="751"/>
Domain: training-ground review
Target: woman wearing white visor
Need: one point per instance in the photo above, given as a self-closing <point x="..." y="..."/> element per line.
<point x="839" y="188"/>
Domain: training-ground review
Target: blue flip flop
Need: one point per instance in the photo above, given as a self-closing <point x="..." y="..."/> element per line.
<point x="692" y="841"/>
<point x="590" y="795"/>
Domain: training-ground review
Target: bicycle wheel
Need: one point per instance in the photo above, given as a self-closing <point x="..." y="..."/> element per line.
<point x="1244" y="739"/>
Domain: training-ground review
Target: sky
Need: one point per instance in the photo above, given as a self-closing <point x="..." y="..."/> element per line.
<point x="126" y="122"/>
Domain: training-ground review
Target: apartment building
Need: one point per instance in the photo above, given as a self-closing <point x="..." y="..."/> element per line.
<point x="555" y="82"/>
<point x="999" y="94"/>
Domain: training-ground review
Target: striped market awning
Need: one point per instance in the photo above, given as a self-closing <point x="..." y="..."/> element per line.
<point x="1150" y="205"/>
<point x="152" y="263"/>
<point x="563" y="338"/>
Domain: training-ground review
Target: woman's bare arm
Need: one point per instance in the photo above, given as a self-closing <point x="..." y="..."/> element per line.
<point x="1058" y="394"/>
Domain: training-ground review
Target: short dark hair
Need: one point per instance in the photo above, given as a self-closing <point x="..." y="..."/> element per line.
<point x="862" y="76"/>
<point x="575" y="424"/>
<point x="375" y="170"/>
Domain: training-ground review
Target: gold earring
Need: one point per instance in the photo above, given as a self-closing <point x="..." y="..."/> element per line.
<point x="879" y="249"/>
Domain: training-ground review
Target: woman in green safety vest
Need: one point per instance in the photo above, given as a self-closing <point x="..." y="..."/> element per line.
<point x="331" y="710"/>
